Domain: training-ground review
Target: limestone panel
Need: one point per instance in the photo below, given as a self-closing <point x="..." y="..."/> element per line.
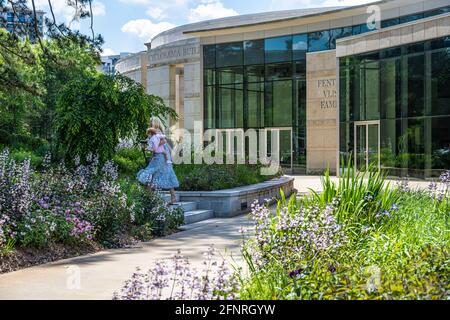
<point x="321" y="112"/>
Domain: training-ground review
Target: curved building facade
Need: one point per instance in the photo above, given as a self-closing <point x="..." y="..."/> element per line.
<point x="367" y="83"/>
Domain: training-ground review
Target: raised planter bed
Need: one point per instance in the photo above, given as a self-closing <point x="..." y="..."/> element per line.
<point x="232" y="202"/>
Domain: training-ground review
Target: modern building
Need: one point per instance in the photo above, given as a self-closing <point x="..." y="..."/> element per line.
<point x="134" y="66"/>
<point x="367" y="83"/>
<point x="108" y="65"/>
<point x="22" y="23"/>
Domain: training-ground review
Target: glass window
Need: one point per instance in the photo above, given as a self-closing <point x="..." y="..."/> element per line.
<point x="337" y="34"/>
<point x="255" y="73"/>
<point x="390" y="88"/>
<point x="254" y="52"/>
<point x="300" y="69"/>
<point x="415" y="135"/>
<point x="362" y="28"/>
<point x="300" y="46"/>
<point x="390" y="22"/>
<point x="279" y="71"/>
<point x="436" y="12"/>
<point x="411" y="18"/>
<point x="319" y="41"/>
<point x="230" y="75"/>
<point x="209" y="56"/>
<point x="255" y="105"/>
<point x="372" y="90"/>
<point x="210" y="77"/>
<point x="440" y="82"/>
<point x="278" y="104"/>
<point x="210" y="108"/>
<point x="440" y="144"/>
<point x="229" y="54"/>
<point x="440" y="43"/>
<point x="278" y="49"/>
<point x="10" y="17"/>
<point x="415" y="75"/>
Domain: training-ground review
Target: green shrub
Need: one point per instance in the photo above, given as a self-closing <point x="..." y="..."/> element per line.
<point x="217" y="177"/>
<point x="129" y="161"/>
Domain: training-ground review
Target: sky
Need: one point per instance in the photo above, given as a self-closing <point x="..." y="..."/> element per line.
<point x="127" y="25"/>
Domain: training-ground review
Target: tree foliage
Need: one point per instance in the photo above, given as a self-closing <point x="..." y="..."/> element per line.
<point x="93" y="113"/>
<point x="51" y="91"/>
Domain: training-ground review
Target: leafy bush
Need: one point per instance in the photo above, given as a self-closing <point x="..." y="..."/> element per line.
<point x="93" y="113"/>
<point x="218" y="177"/>
<point x="129" y="161"/>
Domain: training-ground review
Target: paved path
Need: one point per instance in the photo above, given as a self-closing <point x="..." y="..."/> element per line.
<point x="104" y="272"/>
<point x="304" y="183"/>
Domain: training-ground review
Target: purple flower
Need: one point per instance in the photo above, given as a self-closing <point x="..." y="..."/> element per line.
<point x="332" y="269"/>
<point x="295" y="273"/>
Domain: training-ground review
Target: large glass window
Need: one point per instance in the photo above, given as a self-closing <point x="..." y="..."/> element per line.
<point x="209" y="56"/>
<point x="279" y="71"/>
<point x="278" y="49"/>
<point x="300" y="46"/>
<point x="319" y="41"/>
<point x="278" y="104"/>
<point x="229" y="54"/>
<point x="409" y="85"/>
<point x="440" y="82"/>
<point x="254" y="52"/>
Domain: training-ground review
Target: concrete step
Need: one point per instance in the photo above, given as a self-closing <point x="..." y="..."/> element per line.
<point x="167" y="198"/>
<point x="197" y="216"/>
<point x="187" y="206"/>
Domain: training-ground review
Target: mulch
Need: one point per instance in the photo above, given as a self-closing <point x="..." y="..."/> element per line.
<point x="24" y="258"/>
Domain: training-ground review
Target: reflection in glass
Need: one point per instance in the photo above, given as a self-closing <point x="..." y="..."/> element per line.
<point x="229" y="54"/>
<point x="278" y="49"/>
<point x="254" y="52"/>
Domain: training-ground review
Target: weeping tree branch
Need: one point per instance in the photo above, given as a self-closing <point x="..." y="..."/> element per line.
<point x="50" y="5"/>
<point x="92" y="20"/>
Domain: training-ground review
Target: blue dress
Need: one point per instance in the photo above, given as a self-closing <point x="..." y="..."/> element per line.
<point x="159" y="173"/>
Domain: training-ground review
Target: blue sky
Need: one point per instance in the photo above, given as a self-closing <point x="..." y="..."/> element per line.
<point x="127" y="24"/>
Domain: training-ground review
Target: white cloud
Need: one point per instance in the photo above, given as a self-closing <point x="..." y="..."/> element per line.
<point x="108" y="52"/>
<point x="156" y="13"/>
<point x="145" y="29"/>
<point x="98" y="9"/>
<point x="210" y="9"/>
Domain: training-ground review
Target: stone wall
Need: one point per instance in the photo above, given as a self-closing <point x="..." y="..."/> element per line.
<point x="321" y="111"/>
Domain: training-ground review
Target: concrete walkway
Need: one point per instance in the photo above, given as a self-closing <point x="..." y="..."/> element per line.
<point x="103" y="273"/>
<point x="306" y="183"/>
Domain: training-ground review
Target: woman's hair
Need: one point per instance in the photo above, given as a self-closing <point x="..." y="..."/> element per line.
<point x="156" y="123"/>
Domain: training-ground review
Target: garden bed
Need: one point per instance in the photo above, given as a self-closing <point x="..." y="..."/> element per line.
<point x="24" y="258"/>
<point x="60" y="212"/>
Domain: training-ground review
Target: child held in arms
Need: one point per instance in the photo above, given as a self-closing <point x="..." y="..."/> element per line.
<point x="157" y="141"/>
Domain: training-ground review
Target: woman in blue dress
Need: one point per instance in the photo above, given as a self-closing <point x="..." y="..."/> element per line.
<point x="159" y="174"/>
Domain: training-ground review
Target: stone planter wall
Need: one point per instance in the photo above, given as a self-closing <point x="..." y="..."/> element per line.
<point x="233" y="202"/>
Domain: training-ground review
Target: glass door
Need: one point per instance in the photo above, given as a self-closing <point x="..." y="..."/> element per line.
<point x="285" y="146"/>
<point x="367" y="145"/>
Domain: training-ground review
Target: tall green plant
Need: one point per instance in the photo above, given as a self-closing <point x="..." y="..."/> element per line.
<point x="94" y="113"/>
<point x="362" y="196"/>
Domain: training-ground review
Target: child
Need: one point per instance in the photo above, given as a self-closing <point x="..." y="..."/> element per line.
<point x="160" y="142"/>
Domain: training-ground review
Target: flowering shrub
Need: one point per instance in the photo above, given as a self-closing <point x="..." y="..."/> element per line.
<point x="178" y="280"/>
<point x="295" y="234"/>
<point x="364" y="241"/>
<point x="74" y="206"/>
